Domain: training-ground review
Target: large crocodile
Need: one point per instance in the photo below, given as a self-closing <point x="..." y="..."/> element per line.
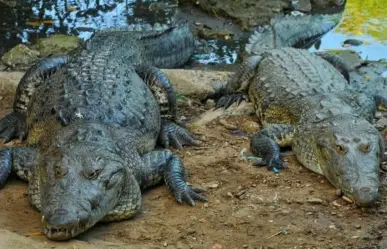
<point x="91" y="122"/>
<point x="303" y="101"/>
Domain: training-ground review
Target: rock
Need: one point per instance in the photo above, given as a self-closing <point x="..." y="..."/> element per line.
<point x="249" y="126"/>
<point x="20" y="55"/>
<point x="213" y="185"/>
<point x="210" y="103"/>
<point x="358" y="226"/>
<point x="195" y="83"/>
<point x="227" y="125"/>
<point x="352" y="42"/>
<point x="9" y="3"/>
<point x="302" y="5"/>
<point x="314" y="200"/>
<point x="57" y="44"/>
<point x="8" y="84"/>
<point x="345" y="198"/>
<point x="244" y="108"/>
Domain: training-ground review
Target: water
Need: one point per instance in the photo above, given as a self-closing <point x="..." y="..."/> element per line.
<point x="365" y="20"/>
<point x="32" y="19"/>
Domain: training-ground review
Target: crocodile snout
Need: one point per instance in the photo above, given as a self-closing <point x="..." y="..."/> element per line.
<point x="61" y="224"/>
<point x="365" y="196"/>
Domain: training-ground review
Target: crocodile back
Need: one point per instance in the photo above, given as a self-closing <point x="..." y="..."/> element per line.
<point x="94" y="88"/>
<point x="289" y="77"/>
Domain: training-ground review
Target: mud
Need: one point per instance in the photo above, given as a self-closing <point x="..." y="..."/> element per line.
<point x="249" y="207"/>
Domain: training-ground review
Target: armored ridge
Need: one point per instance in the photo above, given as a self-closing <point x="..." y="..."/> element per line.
<point x="91" y="121"/>
<point x="291" y="31"/>
<point x="304" y="102"/>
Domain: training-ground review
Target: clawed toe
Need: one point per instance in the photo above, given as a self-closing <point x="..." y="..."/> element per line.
<point x="228" y="100"/>
<point x="175" y="135"/>
<point x="190" y="195"/>
<point x="12" y="126"/>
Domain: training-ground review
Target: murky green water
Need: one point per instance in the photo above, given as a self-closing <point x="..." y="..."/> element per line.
<point x="365" y="20"/>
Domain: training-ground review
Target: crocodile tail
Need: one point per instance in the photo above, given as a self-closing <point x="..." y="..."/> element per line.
<point x="169" y="48"/>
<point x="261" y="40"/>
<point x="303" y="31"/>
<point x="163" y="46"/>
<point x="291" y="31"/>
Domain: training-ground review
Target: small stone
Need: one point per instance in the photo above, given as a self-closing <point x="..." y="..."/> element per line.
<point x="355" y="237"/>
<point x="229" y="194"/>
<point x="302" y="5"/>
<point x="205" y="205"/>
<point x="202" y="220"/>
<point x="227" y="125"/>
<point x="245" y="246"/>
<point x="314" y="200"/>
<point x="217" y="246"/>
<point x="165" y="244"/>
<point x="378" y="115"/>
<point x="345" y="198"/>
<point x="210" y="103"/>
<point x="339" y="193"/>
<point x="358" y="226"/>
<point x="213" y="185"/>
<point x="336" y="204"/>
<point x="217" y="202"/>
<point x="332" y="226"/>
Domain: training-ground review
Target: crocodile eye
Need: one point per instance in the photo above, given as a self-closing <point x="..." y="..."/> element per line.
<point x="341" y="149"/>
<point x="364" y="147"/>
<point x="92" y="174"/>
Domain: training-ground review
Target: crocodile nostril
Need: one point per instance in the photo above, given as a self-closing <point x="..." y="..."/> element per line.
<point x="60" y="211"/>
<point x="365" y="189"/>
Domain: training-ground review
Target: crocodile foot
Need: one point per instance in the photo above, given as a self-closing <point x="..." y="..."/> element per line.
<point x="273" y="164"/>
<point x="11" y="126"/>
<point x="175" y="135"/>
<point x="227" y="100"/>
<point x="189" y="195"/>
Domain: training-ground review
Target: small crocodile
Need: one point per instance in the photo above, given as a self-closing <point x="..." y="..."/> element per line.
<point x="303" y="101"/>
<point x="92" y="123"/>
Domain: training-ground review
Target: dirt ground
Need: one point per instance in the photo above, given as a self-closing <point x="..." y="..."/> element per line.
<point x="249" y="207"/>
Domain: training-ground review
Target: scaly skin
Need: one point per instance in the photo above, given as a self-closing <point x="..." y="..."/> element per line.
<point x="283" y="31"/>
<point x="92" y="122"/>
<point x="304" y="102"/>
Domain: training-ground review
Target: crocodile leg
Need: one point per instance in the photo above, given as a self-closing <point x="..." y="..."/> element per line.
<point x="177" y="136"/>
<point x="337" y="62"/>
<point x="266" y="144"/>
<point x="17" y="159"/>
<point x="235" y="90"/>
<point x="162" y="164"/>
<point x="13" y="125"/>
<point x="161" y="88"/>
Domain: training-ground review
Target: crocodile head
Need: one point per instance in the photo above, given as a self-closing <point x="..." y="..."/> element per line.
<point x="348" y="152"/>
<point x="79" y="185"/>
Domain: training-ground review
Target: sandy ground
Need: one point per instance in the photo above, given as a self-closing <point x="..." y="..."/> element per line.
<point x="249" y="207"/>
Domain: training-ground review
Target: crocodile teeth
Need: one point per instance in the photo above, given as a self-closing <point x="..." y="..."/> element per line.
<point x="157" y="26"/>
<point x="49" y="233"/>
<point x="137" y="27"/>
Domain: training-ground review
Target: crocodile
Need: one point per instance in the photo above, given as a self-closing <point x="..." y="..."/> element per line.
<point x="304" y="102"/>
<point x="92" y="129"/>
